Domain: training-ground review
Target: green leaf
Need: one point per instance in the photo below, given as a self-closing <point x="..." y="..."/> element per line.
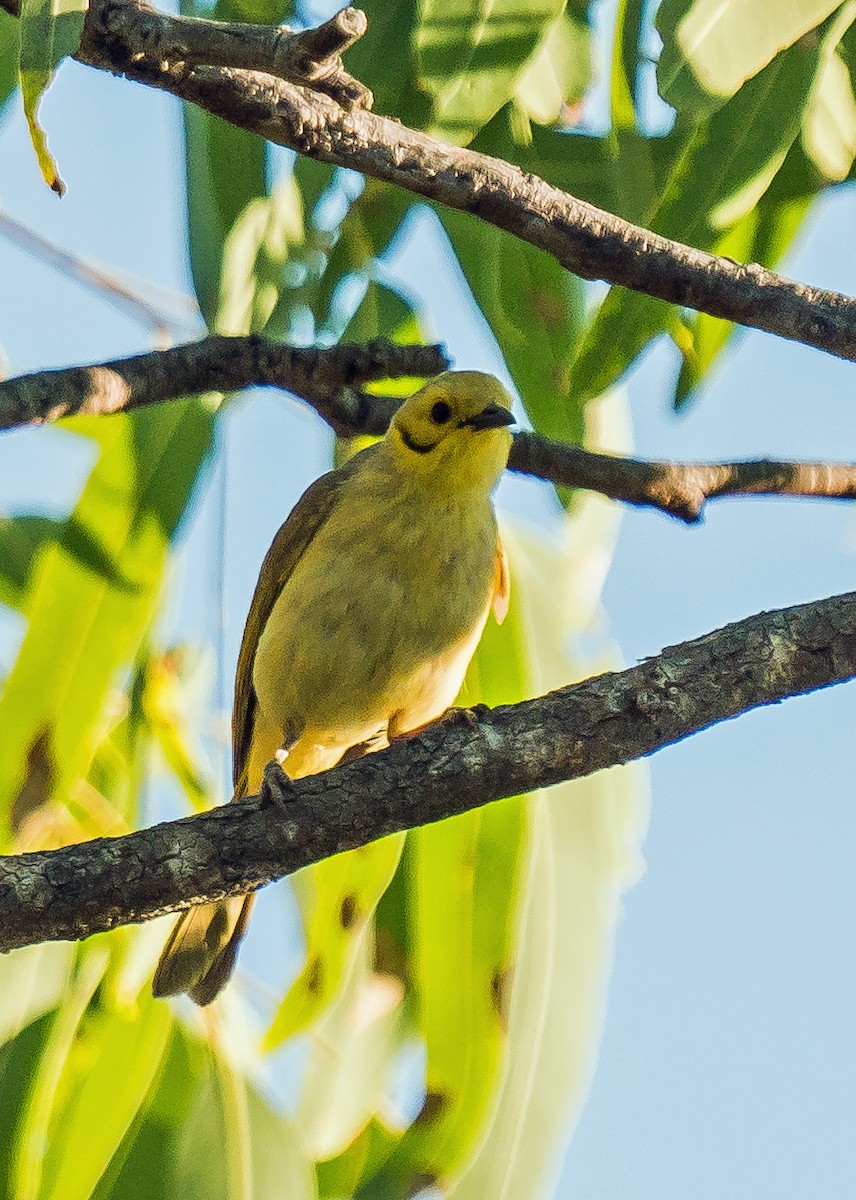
<point x="233" y="1146"/>
<point x="393" y="78"/>
<point x="225" y="170"/>
<point x="581" y="852"/>
<point x="627" y="56"/>
<point x="382" y="308"/>
<point x="139" y="1167"/>
<point x="9" y="34"/>
<point x="722" y="174"/>
<point x="763" y="235"/>
<point x="92" y="598"/>
<point x="39" y="1105"/>
<point x="32" y="981"/>
<point x="465" y="915"/>
<point x="337" y="899"/>
<point x="110" y="1067"/>
<point x="469" y="57"/>
<point x="167" y="712"/>
<point x="558" y="74"/>
<point x="50" y="29"/>
<point x="19" y="1059"/>
<point x="534" y="308"/>
<point x="349" y="1061"/>
<point x="829" y="130"/>
<point x="21" y="540"/>
<point x="255" y="254"/>
<point x="711" y="47"/>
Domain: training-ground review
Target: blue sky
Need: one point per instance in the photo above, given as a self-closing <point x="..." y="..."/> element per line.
<point x="729" y="1051"/>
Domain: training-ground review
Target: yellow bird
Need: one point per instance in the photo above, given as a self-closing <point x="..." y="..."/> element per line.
<point x="368" y="609"/>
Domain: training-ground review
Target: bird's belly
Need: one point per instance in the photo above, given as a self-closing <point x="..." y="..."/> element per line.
<point x="343" y="658"/>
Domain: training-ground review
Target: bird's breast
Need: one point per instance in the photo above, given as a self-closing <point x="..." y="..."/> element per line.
<point x="378" y="620"/>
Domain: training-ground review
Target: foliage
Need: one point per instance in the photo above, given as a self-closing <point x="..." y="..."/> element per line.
<point x="447" y="959"/>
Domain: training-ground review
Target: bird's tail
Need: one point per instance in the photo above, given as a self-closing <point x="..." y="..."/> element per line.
<point x="200" y="954"/>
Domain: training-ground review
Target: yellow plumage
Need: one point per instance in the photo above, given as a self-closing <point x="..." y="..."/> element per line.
<point x="369" y="606"/>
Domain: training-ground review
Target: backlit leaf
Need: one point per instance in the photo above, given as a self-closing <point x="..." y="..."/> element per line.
<point x="711" y="47"/>
<point x="49" y="30"/>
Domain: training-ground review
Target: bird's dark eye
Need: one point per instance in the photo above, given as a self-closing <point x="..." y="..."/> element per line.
<point x="441" y="412"/>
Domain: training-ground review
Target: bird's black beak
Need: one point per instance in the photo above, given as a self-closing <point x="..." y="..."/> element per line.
<point x="492" y="417"/>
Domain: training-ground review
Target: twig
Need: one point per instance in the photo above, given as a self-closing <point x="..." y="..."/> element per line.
<point x="467" y="759"/>
<point x="330" y="381"/>
<point x="105" y="284"/>
<point x="310" y="56"/>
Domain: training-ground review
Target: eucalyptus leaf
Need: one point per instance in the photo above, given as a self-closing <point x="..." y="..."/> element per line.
<point x="712" y="47"/>
<point x="727" y="165"/>
<point x="21" y="540"/>
<point x="9" y="38"/>
<point x="49" y="30"/>
<point x="583" y="850"/>
<point x="106" y="1077"/>
<point x="88" y="614"/>
<point x="233" y="1146"/>
<point x="338" y="897"/>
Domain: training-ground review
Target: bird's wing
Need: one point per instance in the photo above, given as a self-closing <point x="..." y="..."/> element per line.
<point x="292" y="538"/>
<point x="501" y="583"/>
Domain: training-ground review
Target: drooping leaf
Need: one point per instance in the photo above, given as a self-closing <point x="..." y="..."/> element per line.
<point x="763" y="235"/>
<point x="224" y="171"/>
<point x="106" y="1077"/>
<point x="142" y="1164"/>
<point x="711" y="47"/>
<point x="347" y="1074"/>
<point x="88" y="611"/>
<point x="40" y="1101"/>
<point x="727" y="165"/>
<point x="164" y="704"/>
<point x="534" y="308"/>
<point x="469" y="57"/>
<point x="556" y="77"/>
<point x="49" y="30"/>
<point x="393" y="78"/>
<point x="21" y="539"/>
<point x="829" y="130"/>
<point x="255" y="255"/>
<point x="338" y="897"/>
<point x="627" y="58"/>
<point x="9" y="36"/>
<point x="233" y="1146"/>
<point x="19" y="1059"/>
<point x="583" y="851"/>
<point x="32" y="980"/>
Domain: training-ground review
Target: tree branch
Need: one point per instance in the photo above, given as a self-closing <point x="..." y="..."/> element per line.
<point x="467" y="759"/>
<point x="310" y="56"/>
<point x="324" y="378"/>
<point x="586" y="240"/>
<point x="330" y="380"/>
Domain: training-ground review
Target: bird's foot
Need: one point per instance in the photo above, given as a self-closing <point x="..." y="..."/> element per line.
<point x="277" y="789"/>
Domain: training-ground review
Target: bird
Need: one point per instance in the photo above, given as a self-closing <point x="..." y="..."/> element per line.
<point x="368" y="608"/>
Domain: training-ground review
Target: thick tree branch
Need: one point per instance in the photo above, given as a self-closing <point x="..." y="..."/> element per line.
<point x="330" y="381"/>
<point x="465" y="760"/>
<point x="586" y="240"/>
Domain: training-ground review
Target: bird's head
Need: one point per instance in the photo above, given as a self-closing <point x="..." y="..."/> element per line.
<point x="455" y="429"/>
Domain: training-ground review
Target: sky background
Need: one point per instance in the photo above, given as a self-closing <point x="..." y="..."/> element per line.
<point x="729" y="1054"/>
